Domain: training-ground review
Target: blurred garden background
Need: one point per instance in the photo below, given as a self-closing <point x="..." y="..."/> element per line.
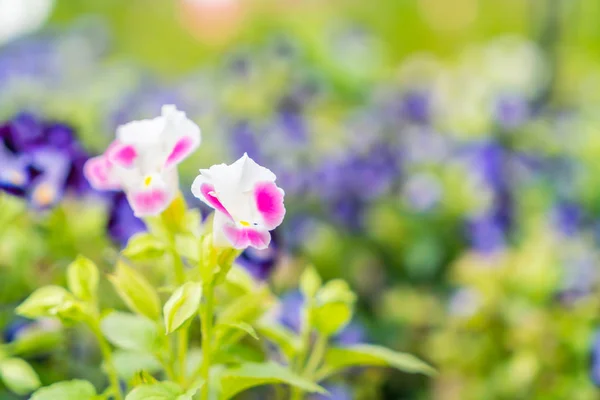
<point x="442" y="156"/>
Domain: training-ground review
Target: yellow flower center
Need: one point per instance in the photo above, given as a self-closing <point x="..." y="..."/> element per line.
<point x="244" y="223"/>
<point x="148" y="181"/>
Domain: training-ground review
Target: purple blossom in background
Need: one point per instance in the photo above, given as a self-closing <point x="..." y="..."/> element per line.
<point x="41" y="161"/>
<point x="335" y="392"/>
<point x="260" y="263"/>
<point x="567" y="218"/>
<point x="595" y="359"/>
<point x="512" y="111"/>
<point x="122" y="223"/>
<point x="485" y="234"/>
<point x="290" y="315"/>
<point x="415" y="106"/>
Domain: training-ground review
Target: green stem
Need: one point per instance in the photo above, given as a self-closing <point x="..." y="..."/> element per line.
<point x="206" y="317"/>
<point x="109" y="366"/>
<point x="182" y="334"/>
<point x="316" y="357"/>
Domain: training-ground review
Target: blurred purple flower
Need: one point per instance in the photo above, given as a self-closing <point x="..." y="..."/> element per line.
<point x="512" y="111"/>
<point x="335" y="392"/>
<point x="415" y="106"/>
<point x="595" y="359"/>
<point x="122" y="223"/>
<point x="290" y="315"/>
<point x="260" y="263"/>
<point x="485" y="234"/>
<point x="567" y="218"/>
<point x="41" y="161"/>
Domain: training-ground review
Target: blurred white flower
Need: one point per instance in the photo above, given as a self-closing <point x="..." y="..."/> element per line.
<point x="19" y="17"/>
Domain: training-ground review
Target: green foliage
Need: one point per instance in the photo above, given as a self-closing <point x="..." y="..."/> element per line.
<point x="310" y="282"/>
<point x="68" y="390"/>
<point x="44" y="302"/>
<point x="337" y="359"/>
<point x="130" y="363"/>
<point x="18" y="376"/>
<point x="130" y="332"/>
<point x="137" y="293"/>
<point x="182" y="305"/>
<point x="83" y="277"/>
<point x="246" y="376"/>
<point x="160" y="391"/>
<point x="243" y="326"/>
<point x="144" y="246"/>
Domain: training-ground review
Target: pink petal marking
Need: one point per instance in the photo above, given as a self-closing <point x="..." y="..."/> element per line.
<point x="123" y="155"/>
<point x="181" y="150"/>
<point x="150" y="202"/>
<point x="208" y="191"/>
<point x="97" y="172"/>
<point x="242" y="238"/>
<point x="269" y="203"/>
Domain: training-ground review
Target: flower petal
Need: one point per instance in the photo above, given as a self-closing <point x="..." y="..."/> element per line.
<point x="123" y="155"/>
<point x="183" y="148"/>
<point x="241" y="238"/>
<point x="98" y="171"/>
<point x="269" y="203"/>
<point x="208" y="191"/>
<point x="149" y="202"/>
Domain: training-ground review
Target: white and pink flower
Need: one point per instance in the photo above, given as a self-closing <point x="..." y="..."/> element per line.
<point x="247" y="202"/>
<point x="143" y="159"/>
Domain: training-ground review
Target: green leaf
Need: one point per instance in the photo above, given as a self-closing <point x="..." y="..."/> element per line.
<point x="135" y="291"/>
<point x="156" y="391"/>
<point x="128" y="363"/>
<point x="285" y="339"/>
<point x="43" y="302"/>
<point x="144" y="246"/>
<point x="248" y="375"/>
<point x="67" y="390"/>
<point x="188" y="246"/>
<point x="182" y="305"/>
<point x="336" y="291"/>
<point x="18" y="376"/>
<point x="45" y="335"/>
<point x="337" y="359"/>
<point x="244" y="327"/>
<point x="330" y="318"/>
<point x="130" y="332"/>
<point x="82" y="278"/>
<point x="246" y="308"/>
<point x="310" y="282"/>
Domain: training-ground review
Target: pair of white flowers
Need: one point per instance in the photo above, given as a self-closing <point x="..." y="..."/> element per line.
<point x="142" y="161"/>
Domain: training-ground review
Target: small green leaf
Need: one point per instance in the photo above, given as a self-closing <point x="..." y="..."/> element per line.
<point x="43" y="302"/>
<point x="285" y="339"/>
<point x="130" y="331"/>
<point x="18" y="376"/>
<point x="45" y="335"/>
<point x="182" y="305"/>
<point x="248" y="375"/>
<point x="141" y="377"/>
<point x="310" y="282"/>
<point x="144" y="246"/>
<point x="82" y="277"/>
<point x="156" y="391"/>
<point x="135" y="291"/>
<point x="188" y="246"/>
<point x="67" y="390"/>
<point x="129" y="363"/>
<point x="336" y="291"/>
<point x="244" y="327"/>
<point x="337" y="359"/>
<point x="246" y="308"/>
<point x="330" y="318"/>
